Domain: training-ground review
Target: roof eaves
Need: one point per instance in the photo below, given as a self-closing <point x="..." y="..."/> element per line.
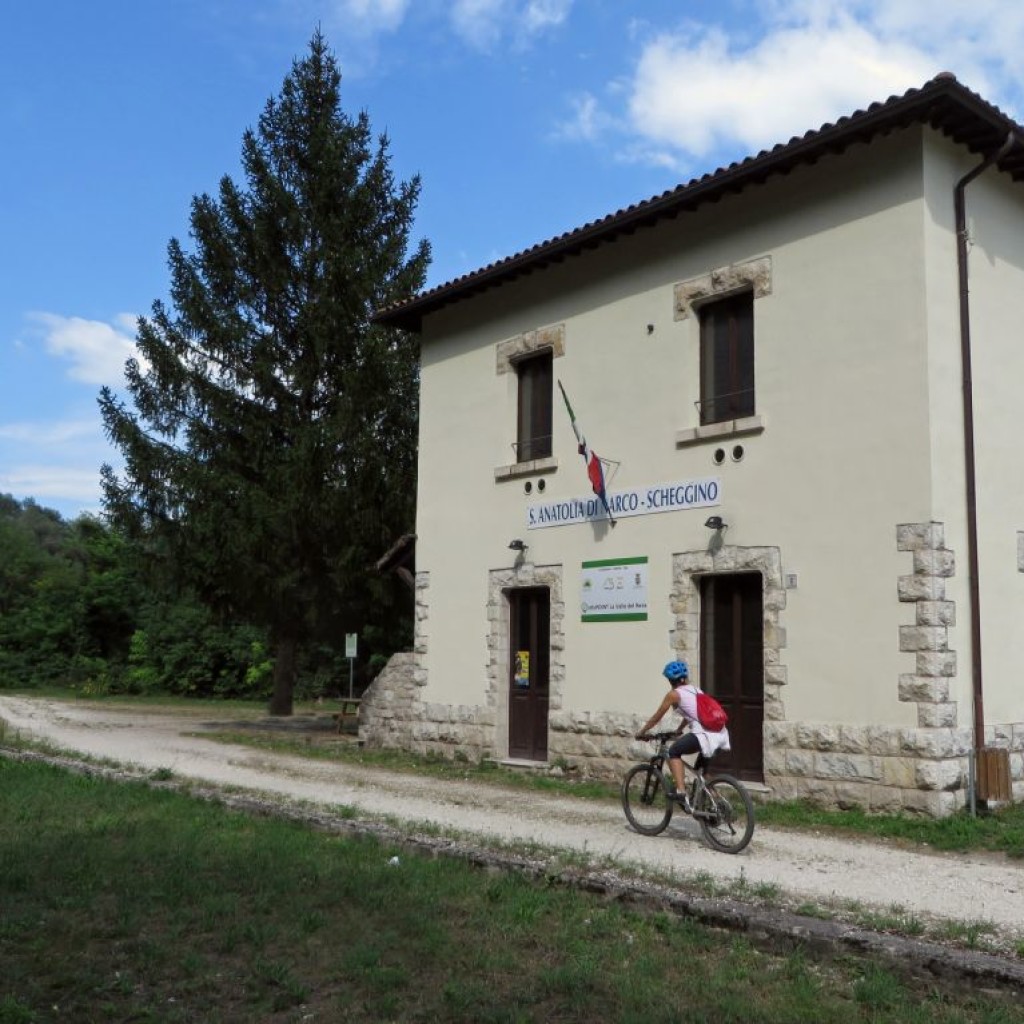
<point x="942" y="102"/>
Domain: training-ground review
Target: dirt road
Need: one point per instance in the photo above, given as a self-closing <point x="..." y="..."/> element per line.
<point x="814" y="868"/>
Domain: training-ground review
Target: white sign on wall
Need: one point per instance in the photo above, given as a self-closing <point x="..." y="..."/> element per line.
<point x="614" y="590"/>
<point x="643" y="501"/>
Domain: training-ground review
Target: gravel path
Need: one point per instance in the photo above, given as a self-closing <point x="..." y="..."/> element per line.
<point x="816" y="868"/>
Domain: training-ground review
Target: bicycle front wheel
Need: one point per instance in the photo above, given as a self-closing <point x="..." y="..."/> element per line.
<point x="726" y="814"/>
<point x="647" y="806"/>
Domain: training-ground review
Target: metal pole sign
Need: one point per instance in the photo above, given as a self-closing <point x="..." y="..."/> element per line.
<point x="351" y="643"/>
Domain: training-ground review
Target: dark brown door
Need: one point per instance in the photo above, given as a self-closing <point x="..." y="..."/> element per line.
<point x="529" y="654"/>
<point x="732" y="665"/>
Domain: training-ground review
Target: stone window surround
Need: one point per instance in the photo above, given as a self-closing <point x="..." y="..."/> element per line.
<point x="517" y="470"/>
<point x="511" y="350"/>
<point x="688" y="296"/>
<point x="754" y="275"/>
<point x="743" y="427"/>
<point x="507" y="354"/>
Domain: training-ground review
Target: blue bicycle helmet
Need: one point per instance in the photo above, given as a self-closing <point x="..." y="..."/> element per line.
<point x="676" y="670"/>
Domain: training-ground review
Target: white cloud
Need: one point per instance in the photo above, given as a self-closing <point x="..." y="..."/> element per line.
<point x="484" y="23"/>
<point x="542" y="14"/>
<point x="373" y="16"/>
<point x="700" y="96"/>
<point x="56" y="459"/>
<point x="96" y="351"/>
<point x="52" y="434"/>
<point x="478" y="22"/>
<point x="56" y="462"/>
<point x="587" y="122"/>
<point x="782" y="67"/>
<point x="74" y="485"/>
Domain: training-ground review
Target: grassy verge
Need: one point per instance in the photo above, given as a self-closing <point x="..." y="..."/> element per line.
<point x="998" y="832"/>
<point x="122" y="903"/>
<point x="433" y="766"/>
<point x="1001" y="832"/>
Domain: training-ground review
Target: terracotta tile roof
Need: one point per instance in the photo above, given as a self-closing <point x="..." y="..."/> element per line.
<point x="943" y="103"/>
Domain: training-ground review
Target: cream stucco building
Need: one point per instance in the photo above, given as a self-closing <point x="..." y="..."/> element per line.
<point x="811" y="436"/>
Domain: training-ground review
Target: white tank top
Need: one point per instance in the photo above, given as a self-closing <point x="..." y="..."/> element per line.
<point x="687" y="709"/>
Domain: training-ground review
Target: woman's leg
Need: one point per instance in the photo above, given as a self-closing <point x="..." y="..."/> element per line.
<point x="688" y="744"/>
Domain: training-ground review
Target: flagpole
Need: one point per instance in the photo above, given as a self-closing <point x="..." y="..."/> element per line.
<point x="572" y="415"/>
<point x="583" y="450"/>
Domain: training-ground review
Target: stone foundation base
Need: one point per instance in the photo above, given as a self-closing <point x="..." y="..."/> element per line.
<point x="386" y="712"/>
<point x="392" y="715"/>
<point x="878" y="768"/>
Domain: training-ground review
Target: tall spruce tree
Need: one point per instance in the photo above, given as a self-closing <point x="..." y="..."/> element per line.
<point x="270" y="443"/>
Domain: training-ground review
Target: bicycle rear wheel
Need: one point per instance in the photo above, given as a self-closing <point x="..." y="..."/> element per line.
<point x="647" y="806"/>
<point x="726" y="814"/>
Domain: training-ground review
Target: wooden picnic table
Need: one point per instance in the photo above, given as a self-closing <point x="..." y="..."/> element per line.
<point x="348" y="709"/>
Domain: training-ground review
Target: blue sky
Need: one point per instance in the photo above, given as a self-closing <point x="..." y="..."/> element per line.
<point x="524" y="118"/>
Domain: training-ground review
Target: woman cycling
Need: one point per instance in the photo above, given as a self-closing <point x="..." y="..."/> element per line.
<point x="682" y="698"/>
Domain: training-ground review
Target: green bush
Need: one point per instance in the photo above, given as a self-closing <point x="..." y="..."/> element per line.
<point x="77" y="611"/>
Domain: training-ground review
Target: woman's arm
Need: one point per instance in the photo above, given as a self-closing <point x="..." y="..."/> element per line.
<point x="668" y="701"/>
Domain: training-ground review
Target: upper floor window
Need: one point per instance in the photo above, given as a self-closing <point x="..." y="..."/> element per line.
<point x="727" y="358"/>
<point x="533" y="439"/>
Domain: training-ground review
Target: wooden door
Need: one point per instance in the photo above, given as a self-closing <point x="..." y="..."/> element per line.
<point x="732" y="665"/>
<point x="529" y="661"/>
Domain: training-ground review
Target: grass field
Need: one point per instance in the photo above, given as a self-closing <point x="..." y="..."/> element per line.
<point x="123" y="903"/>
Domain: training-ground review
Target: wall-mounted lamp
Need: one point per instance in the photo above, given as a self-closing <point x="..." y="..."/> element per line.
<point x="715" y="523"/>
<point x="517" y="545"/>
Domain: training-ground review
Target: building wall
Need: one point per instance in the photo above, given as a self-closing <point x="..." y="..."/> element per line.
<point x="835" y="486"/>
<point x="996" y="301"/>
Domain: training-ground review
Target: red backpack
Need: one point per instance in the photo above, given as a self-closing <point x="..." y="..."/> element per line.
<point x="710" y="713"/>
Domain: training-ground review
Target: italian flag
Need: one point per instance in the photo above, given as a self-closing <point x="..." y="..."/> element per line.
<point x="595" y="470"/>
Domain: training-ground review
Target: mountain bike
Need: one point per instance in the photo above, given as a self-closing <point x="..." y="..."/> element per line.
<point x="721" y="805"/>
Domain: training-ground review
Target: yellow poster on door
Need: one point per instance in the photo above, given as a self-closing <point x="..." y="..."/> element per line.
<point x="522" y="670"/>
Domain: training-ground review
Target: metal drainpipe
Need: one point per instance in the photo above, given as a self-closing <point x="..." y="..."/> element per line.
<point x="969" y="474"/>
